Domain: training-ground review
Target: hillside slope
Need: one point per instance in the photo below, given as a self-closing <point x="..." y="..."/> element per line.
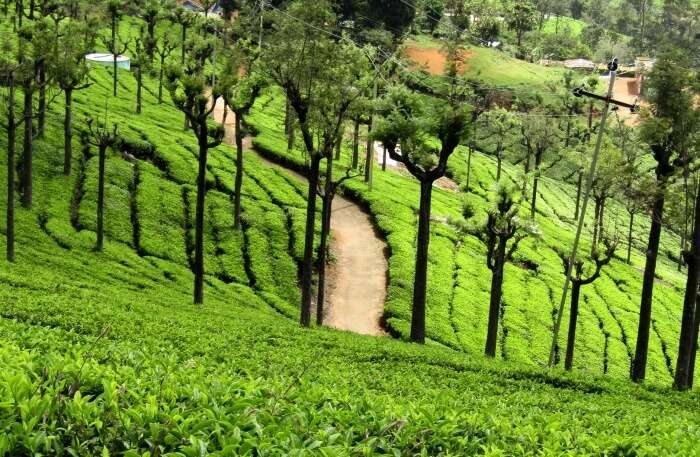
<point x="104" y="354"/>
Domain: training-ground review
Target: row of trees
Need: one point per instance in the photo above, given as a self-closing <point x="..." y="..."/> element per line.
<point x="329" y="81"/>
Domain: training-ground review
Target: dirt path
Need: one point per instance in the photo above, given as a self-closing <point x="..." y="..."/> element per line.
<point x="357" y="278"/>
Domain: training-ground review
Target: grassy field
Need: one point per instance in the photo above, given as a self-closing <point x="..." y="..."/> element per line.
<point x="562" y="24"/>
<point x="104" y="354"/>
<point x="489" y="65"/>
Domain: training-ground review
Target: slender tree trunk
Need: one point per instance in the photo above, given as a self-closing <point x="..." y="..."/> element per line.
<point x="199" y="216"/>
<point x="160" y="81"/>
<point x="101" y="198"/>
<point x="339" y="145"/>
<point x="41" y="108"/>
<point x="495" y="302"/>
<point x="151" y="29"/>
<point x="685" y="344"/>
<point x="183" y="48"/>
<point x="323" y="246"/>
<point x="469" y="166"/>
<point x="596" y="218"/>
<point x="369" y="159"/>
<point x="290" y="136"/>
<point x="601" y="219"/>
<point x="384" y="154"/>
<point x="114" y="54"/>
<point x="499" y="164"/>
<point x="536" y="181"/>
<point x="139" y="88"/>
<point x="421" y="276"/>
<point x="579" y="185"/>
<point x="629" y="240"/>
<point x="28" y="152"/>
<point x="694" y="350"/>
<point x="640" y="358"/>
<point x="356" y="143"/>
<point x="573" y="319"/>
<point x="68" y="133"/>
<point x="307" y="267"/>
<point x="239" y="172"/>
<point x="288" y="117"/>
<point x="11" y="144"/>
<point x="369" y="164"/>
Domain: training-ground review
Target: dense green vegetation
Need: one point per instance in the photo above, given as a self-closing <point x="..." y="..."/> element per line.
<point x="102" y="351"/>
<point x="458" y="278"/>
<point x="236" y="377"/>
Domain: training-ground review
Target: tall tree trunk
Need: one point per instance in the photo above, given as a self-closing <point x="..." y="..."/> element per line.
<point x="356" y="143"/>
<point x="11" y="142"/>
<point x="579" y="185"/>
<point x="41" y="108"/>
<point x="469" y="166"/>
<point x="114" y="54"/>
<point x="629" y="240"/>
<point x="384" y="154"/>
<point x="68" y="133"/>
<point x="151" y="29"/>
<point x="160" y="81"/>
<point x="573" y="319"/>
<point x="601" y="218"/>
<point x="183" y="48"/>
<point x="499" y="164"/>
<point x="323" y="246"/>
<point x="101" y="197"/>
<point x="339" y="145"/>
<point x="239" y="172"/>
<point x="596" y="218"/>
<point x="369" y="158"/>
<point x="495" y="301"/>
<point x="139" y="88"/>
<point x="290" y="136"/>
<point x="685" y="344"/>
<point x="199" y="216"/>
<point x="28" y="152"/>
<point x="308" y="263"/>
<point x="421" y="276"/>
<point x="694" y="349"/>
<point x="640" y="355"/>
<point x="536" y="181"/>
<point x="287" y="116"/>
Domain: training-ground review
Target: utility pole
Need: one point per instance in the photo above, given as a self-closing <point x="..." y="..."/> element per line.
<point x="578" y="92"/>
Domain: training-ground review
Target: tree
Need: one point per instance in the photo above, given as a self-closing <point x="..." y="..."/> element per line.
<point x="540" y="138"/>
<point x="163" y="47"/>
<point x="103" y="138"/>
<point x="139" y="62"/>
<point x="408" y="122"/>
<point x="187" y="89"/>
<point x="667" y="133"/>
<point x="71" y="72"/>
<point x="503" y="232"/>
<point x="498" y="123"/>
<point x="520" y="16"/>
<point x="115" y="44"/>
<point x="599" y="260"/>
<point x="151" y="11"/>
<point x="687" y="341"/>
<point x="185" y="19"/>
<point x="240" y="88"/>
<point x="8" y="78"/>
<point x="606" y="184"/>
<point x="319" y="77"/>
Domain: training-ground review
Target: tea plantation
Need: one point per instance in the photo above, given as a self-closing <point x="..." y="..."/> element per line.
<point x="104" y="354"/>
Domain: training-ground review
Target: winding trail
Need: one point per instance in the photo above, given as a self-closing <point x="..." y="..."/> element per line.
<point x="357" y="277"/>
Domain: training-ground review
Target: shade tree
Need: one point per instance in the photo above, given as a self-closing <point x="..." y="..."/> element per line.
<point x="584" y="272"/>
<point x="412" y="125"/>
<point x="188" y="91"/>
<point x="667" y="127"/>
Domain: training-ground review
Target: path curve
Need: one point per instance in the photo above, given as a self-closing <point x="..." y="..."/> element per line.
<point x="357" y="278"/>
